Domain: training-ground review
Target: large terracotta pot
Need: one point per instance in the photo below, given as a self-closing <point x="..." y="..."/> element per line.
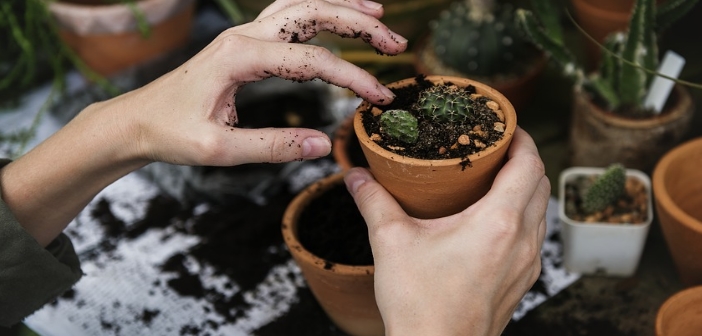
<point x="106" y="36"/>
<point x="677" y="187"/>
<point x="599" y="138"/>
<point x="438" y="188"/>
<point x="518" y="89"/>
<point x="345" y="292"/>
<point x="681" y="314"/>
<point x="599" y="18"/>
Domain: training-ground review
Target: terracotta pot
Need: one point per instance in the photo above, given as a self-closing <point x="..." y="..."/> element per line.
<point x="677" y="187"/>
<point x="602" y="248"/>
<point x="518" y="89"/>
<point x="599" y="138"/>
<point x="346" y="150"/>
<point x="681" y="314"/>
<point x="438" y="188"/>
<point x="106" y="36"/>
<point x="345" y="292"/>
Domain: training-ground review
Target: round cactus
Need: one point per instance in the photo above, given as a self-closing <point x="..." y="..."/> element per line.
<point x="445" y="103"/>
<point x="605" y="190"/>
<point x="400" y="125"/>
<point x="478" y="40"/>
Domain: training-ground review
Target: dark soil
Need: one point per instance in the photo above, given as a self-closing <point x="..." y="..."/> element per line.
<point x="332" y="228"/>
<point x="437" y="140"/>
<point x="632" y="206"/>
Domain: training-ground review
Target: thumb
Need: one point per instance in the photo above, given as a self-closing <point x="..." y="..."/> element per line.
<point x="375" y="203"/>
<point x="273" y="145"/>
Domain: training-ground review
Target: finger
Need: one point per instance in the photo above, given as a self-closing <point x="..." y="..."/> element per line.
<point x="367" y="7"/>
<point x="303" y="21"/>
<point x="300" y="62"/>
<point x="517" y="181"/>
<point x="375" y="203"/>
<point x="264" y="145"/>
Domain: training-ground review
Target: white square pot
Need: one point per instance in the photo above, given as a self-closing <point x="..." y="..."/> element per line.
<point x="601" y="248"/>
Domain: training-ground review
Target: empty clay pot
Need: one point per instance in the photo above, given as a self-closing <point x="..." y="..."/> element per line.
<point x="345" y="292"/>
<point x="677" y="188"/>
<point x="438" y="188"/>
<point x="681" y="314"/>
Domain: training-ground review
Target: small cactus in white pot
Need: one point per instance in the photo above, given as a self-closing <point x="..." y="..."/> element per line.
<point x="606" y="214"/>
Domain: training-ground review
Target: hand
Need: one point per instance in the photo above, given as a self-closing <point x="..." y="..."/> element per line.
<point x="188" y="115"/>
<point x="463" y="274"/>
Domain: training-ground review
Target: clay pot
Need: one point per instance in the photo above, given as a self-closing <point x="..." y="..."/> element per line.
<point x="438" y="188"/>
<point x="602" y="248"/>
<point x="518" y="89"/>
<point x="681" y="314"/>
<point x="677" y="187"/>
<point x="599" y="138"/>
<point x="345" y="148"/>
<point x="599" y="18"/>
<point x="106" y="36"/>
<point x="345" y="292"/>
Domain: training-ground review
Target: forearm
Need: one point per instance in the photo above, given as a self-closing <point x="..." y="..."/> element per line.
<point x="47" y="187"/>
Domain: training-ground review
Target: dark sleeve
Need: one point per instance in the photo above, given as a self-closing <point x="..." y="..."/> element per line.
<point x="30" y="275"/>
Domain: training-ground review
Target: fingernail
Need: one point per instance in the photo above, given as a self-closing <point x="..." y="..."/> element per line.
<point x="397" y="37"/>
<point x="372" y="4"/>
<point x="354" y="180"/>
<point x="387" y="92"/>
<point x="315" y="147"/>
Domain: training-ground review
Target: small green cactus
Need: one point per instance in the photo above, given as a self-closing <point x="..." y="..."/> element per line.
<point x="605" y="190"/>
<point x="478" y="38"/>
<point x="400" y="125"/>
<point x="445" y="103"/>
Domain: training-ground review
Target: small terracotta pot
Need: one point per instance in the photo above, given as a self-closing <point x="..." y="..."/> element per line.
<point x="518" y="89"/>
<point x="677" y="187"/>
<point x="106" y="37"/>
<point x="438" y="188"/>
<point x="681" y="314"/>
<point x="599" y="138"/>
<point x="345" y="292"/>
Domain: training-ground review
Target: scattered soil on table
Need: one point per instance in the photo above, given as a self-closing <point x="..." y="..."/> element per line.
<point x="332" y="228"/>
<point x="437" y="140"/>
<point x="632" y="206"/>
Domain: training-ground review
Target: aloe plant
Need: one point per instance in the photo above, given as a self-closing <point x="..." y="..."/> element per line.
<point x="630" y="58"/>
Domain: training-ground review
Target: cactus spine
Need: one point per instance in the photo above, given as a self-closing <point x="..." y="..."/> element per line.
<point x="625" y="73"/>
<point x="400" y="125"/>
<point x="605" y="190"/>
<point x="445" y="103"/>
<point x="477" y="37"/>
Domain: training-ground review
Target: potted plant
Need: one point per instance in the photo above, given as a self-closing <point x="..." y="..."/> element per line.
<point x="680" y="315"/>
<point x="606" y="214"/>
<point x="328" y="239"/>
<point x="480" y="39"/>
<point x="439" y="145"/>
<point x="610" y="122"/>
<point x="677" y="185"/>
<point x="112" y="36"/>
<point x="599" y="18"/>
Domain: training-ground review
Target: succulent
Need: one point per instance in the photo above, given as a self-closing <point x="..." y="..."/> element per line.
<point x="605" y="190"/>
<point x="478" y="38"/>
<point x="627" y="68"/>
<point x="400" y="125"/>
<point x="445" y="103"/>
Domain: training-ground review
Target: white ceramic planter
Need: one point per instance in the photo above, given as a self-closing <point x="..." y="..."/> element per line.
<point x="602" y="248"/>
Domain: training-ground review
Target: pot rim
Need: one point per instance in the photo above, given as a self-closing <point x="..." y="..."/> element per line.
<point x="484" y="89"/>
<point x="567" y="173"/>
<point x="674" y="113"/>
<point x="671" y="301"/>
<point x="585" y="6"/>
<point x="660" y="189"/>
<point x="290" y="222"/>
